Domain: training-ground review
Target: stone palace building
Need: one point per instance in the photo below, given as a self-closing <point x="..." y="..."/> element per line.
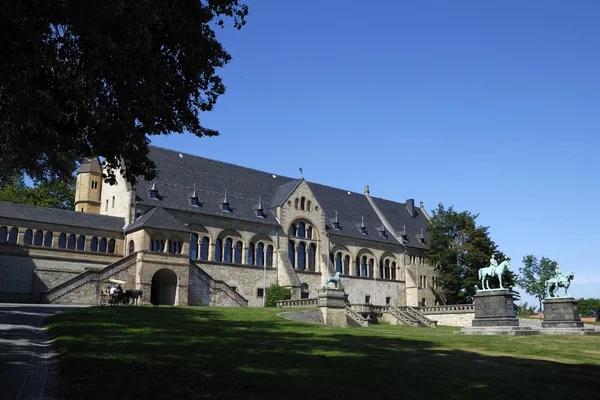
<point x="211" y="233"/>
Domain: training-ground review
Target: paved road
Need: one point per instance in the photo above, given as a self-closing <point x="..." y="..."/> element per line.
<point x="27" y="363"/>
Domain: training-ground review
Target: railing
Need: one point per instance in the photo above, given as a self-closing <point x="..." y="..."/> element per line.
<point x="403" y="317"/>
<point x="453" y="309"/>
<point x="300" y="303"/>
<point x="356" y="317"/>
<point x="414" y="312"/>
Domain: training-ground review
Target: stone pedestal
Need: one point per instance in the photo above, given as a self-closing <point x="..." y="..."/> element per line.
<point x="495" y="315"/>
<point x="333" y="307"/>
<point x="561" y="317"/>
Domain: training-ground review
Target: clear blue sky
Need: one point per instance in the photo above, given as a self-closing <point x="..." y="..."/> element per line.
<point x="490" y="106"/>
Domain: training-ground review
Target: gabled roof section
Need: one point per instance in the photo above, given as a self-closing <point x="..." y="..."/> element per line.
<point x="158" y="218"/>
<point x="283" y="192"/>
<point x="60" y="217"/>
<point x="399" y="217"/>
<point x="352" y="209"/>
<point x="91" y="165"/>
<point x="178" y="172"/>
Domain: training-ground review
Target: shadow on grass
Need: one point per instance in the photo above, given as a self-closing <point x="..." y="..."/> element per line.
<point x="245" y="354"/>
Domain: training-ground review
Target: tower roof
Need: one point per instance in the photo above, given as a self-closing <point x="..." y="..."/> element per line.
<point x="91" y="165"/>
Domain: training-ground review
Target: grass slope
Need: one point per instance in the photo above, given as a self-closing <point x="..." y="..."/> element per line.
<point x="250" y="353"/>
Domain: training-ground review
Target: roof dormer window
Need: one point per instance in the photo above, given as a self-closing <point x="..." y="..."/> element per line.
<point x="154" y="191"/>
<point x="363" y="228"/>
<point x="194" y="198"/>
<point x="383" y="232"/>
<point x="336" y="223"/>
<point x="225" y="203"/>
<point x="259" y="209"/>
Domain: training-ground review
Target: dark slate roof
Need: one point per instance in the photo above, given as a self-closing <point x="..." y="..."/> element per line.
<point x="90" y="165"/>
<point x="60" y="217"/>
<point x="178" y="172"/>
<point x="158" y="218"/>
<point x="351" y="208"/>
<point x="398" y="216"/>
<point x="283" y="191"/>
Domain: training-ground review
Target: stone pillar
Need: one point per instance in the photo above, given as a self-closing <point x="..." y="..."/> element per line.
<point x="333" y="307"/>
<point x="211" y="251"/>
<point x="244" y="254"/>
<point x="494" y="308"/>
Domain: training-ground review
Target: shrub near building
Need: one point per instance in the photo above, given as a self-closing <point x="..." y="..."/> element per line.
<point x="276" y="293"/>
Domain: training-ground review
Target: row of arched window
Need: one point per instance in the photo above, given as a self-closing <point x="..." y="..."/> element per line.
<point x="230" y="250"/>
<point x="301" y="230"/>
<point x="45" y="239"/>
<point x="417" y="260"/>
<point x="424" y="282"/>
<point x="302" y="255"/>
<point x="364" y="266"/>
<point x="302" y="204"/>
<point x="174" y="246"/>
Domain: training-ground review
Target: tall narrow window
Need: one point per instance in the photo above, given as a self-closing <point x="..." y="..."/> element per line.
<point x="204" y="248"/>
<point x="394" y="270"/>
<point x="309" y="232"/>
<point x="3" y="234"/>
<point x="293" y="230"/>
<point x="193" y="246"/>
<point x="228" y="250"/>
<point x="302" y="203"/>
<point x="102" y="247"/>
<point x="219" y="250"/>
<point x="269" y="256"/>
<point x="301" y="229"/>
<point x="363" y="266"/>
<point x="347" y="265"/>
<point x="260" y="254"/>
<point x="28" y="237"/>
<point x="312" y="251"/>
<point x="62" y="241"/>
<point x="357" y="269"/>
<point x="238" y="252"/>
<point x="106" y="208"/>
<point x="39" y="238"/>
<point x="371" y="267"/>
<point x="301" y="256"/>
<point x="131" y="248"/>
<point x="13" y="236"/>
<point x="94" y="244"/>
<point x="81" y="243"/>
<point x="338" y="262"/>
<point x="381" y="273"/>
<point x="48" y="239"/>
<point x="111" y="246"/>
<point x="308" y="205"/>
<point x="296" y="204"/>
<point x="251" y="254"/>
<point x="113" y="202"/>
<point x="387" y="269"/>
<point x="71" y="242"/>
<point x="292" y="253"/>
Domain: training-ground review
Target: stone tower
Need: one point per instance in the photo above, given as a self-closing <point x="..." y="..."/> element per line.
<point x="89" y="186"/>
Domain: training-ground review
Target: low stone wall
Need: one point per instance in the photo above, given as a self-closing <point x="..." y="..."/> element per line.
<point x="459" y="315"/>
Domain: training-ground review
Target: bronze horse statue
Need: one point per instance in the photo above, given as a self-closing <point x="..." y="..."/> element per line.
<point x="486" y="273"/>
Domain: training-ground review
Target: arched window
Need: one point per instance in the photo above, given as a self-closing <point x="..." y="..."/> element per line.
<point x="308" y="205"/>
<point x="292" y="253"/>
<point x="293" y="230"/>
<point x="3" y="234"/>
<point x="301" y="256"/>
<point x="381" y="273"/>
<point x="228" y="252"/>
<point x="131" y="248"/>
<point x="371" y="267"/>
<point x="94" y="244"/>
<point x="394" y="270"/>
<point x="39" y="238"/>
<point x="81" y="243"/>
<point x="302" y="203"/>
<point x="193" y="246"/>
<point x="260" y="254"/>
<point x="357" y="267"/>
<point x="269" y="256"/>
<point x="174" y="246"/>
<point x="238" y="252"/>
<point x="62" y="241"/>
<point x="71" y="242"/>
<point x="363" y="266"/>
<point x="251" y="254"/>
<point x="301" y="229"/>
<point x="347" y="265"/>
<point x="309" y="232"/>
<point x="13" y="236"/>
<point x="388" y="274"/>
<point x="296" y="203"/>
<point x="312" y="250"/>
<point x="219" y="250"/>
<point x="157" y="245"/>
<point x="28" y="237"/>
<point x="48" y="239"/>
<point x="111" y="246"/>
<point x="204" y="248"/>
<point x="102" y="247"/>
<point x="338" y="262"/>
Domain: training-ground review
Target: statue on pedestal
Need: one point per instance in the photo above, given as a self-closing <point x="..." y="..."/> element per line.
<point x="558" y="280"/>
<point x="335" y="279"/>
<point x="493" y="270"/>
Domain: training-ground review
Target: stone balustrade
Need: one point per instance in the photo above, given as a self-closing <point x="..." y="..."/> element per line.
<point x="300" y="303"/>
<point x="453" y="309"/>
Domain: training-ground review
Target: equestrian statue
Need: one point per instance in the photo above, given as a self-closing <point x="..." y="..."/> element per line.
<point x="557" y="281"/>
<point x="493" y="270"/>
<point x="335" y="279"/>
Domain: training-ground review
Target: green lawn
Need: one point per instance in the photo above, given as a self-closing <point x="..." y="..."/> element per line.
<point x="250" y="353"/>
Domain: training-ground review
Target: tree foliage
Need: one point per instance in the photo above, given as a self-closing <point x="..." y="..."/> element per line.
<point x="525" y="309"/>
<point x="458" y="249"/>
<point x="534" y="274"/>
<point x="82" y="79"/>
<point x="589" y="307"/>
<point x="276" y="293"/>
<point x="52" y="193"/>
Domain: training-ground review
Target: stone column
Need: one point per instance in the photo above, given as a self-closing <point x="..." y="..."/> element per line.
<point x="244" y="254"/>
<point x="211" y="251"/>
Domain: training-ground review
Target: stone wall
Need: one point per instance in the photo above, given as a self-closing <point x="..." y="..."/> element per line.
<point x="357" y="288"/>
<point x="460" y="315"/>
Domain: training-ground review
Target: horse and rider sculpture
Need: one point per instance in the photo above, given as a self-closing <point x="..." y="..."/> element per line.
<point x="558" y="281"/>
<point x="494" y="270"/>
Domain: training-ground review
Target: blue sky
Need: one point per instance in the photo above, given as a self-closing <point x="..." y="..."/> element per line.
<point x="492" y="107"/>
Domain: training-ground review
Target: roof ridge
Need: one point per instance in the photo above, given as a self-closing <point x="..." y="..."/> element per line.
<point x="59" y="209"/>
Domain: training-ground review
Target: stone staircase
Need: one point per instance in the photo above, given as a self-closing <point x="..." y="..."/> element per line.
<point x="414" y="315"/>
<point x="85" y="287"/>
<point x="356" y="319"/>
<point x="220" y="288"/>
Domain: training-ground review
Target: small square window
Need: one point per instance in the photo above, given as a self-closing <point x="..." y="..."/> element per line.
<point x="260" y="292"/>
<point x="388" y="300"/>
<point x="367" y="299"/>
<point x="194" y="201"/>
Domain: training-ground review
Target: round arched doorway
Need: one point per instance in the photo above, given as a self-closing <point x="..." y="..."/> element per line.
<point x="164" y="288"/>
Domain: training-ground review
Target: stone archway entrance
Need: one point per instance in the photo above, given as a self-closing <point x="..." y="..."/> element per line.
<point x="164" y="288"/>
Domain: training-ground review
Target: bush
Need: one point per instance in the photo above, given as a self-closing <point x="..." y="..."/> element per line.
<point x="276" y="293"/>
<point x="588" y="307"/>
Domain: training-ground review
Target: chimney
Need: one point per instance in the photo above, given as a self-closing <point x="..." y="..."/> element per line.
<point x="367" y="191"/>
<point x="410" y="206"/>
